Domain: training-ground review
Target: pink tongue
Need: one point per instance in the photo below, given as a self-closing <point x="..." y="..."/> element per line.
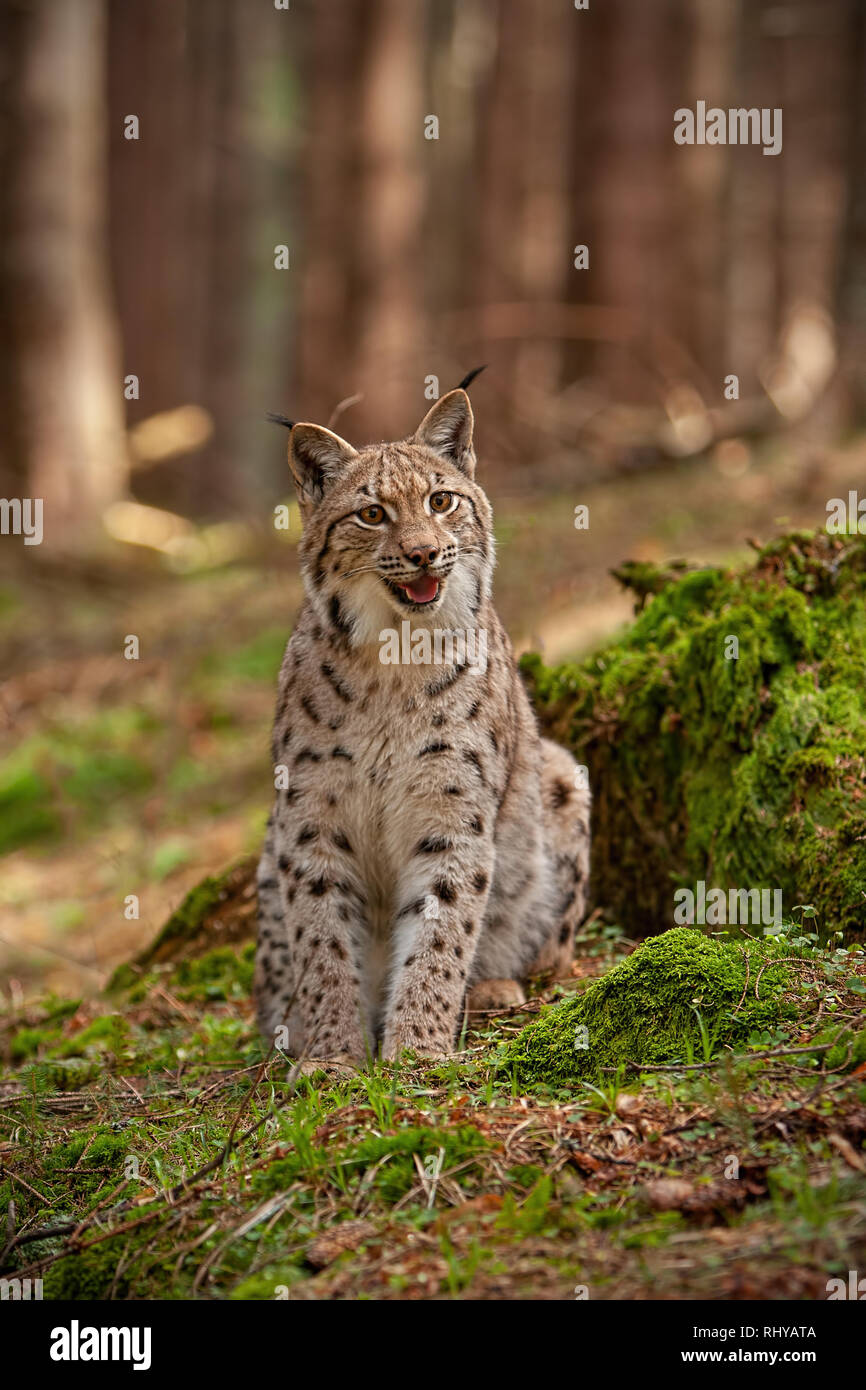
<point x="423" y="590"/>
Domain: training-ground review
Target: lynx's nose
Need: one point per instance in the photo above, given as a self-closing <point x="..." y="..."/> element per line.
<point x="422" y="554"/>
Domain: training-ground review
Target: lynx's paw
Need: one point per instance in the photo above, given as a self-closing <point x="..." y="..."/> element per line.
<point x="396" y="1041"/>
<point x="341" y="1064"/>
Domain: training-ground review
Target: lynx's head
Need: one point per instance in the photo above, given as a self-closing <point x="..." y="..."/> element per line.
<point x="394" y="530"/>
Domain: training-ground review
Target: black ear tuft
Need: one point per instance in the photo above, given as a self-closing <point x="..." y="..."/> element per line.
<point x="468" y="379"/>
<point x="280" y="420"/>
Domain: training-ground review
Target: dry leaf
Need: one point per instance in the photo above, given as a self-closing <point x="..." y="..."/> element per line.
<point x="848" y="1152"/>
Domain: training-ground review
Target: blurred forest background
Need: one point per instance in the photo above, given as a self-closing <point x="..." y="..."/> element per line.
<point x="408" y="257"/>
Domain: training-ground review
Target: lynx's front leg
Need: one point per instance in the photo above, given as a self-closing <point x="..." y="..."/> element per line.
<point x="435" y="939"/>
<point x="320" y="998"/>
<point x="328" y="999"/>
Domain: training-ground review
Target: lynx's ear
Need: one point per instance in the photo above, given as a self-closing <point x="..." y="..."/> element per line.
<point x="447" y="430"/>
<point x="317" y="458"/>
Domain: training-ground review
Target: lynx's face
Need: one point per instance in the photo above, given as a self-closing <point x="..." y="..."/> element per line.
<point x="394" y="531"/>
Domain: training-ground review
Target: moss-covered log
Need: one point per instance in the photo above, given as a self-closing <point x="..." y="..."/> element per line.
<point x="743" y="764"/>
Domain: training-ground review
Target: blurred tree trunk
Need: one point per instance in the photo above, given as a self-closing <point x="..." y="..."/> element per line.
<point x="221" y="227"/>
<point x="752" y="288"/>
<point x="493" y="275"/>
<point x="64" y="432"/>
<point x="153" y="181"/>
<point x="542" y="223"/>
<point x="702" y="175"/>
<point x="462" y="47"/>
<point x="325" y="366"/>
<point x="182" y="208"/>
<point x="814" y="98"/>
<point x="385" y="231"/>
<point x="496" y="278"/>
<point x="814" y="55"/>
<point x="633" y="169"/>
<point x="13" y="444"/>
<point x="851" y="285"/>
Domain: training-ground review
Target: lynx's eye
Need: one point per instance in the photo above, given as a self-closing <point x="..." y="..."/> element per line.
<point x="372" y="515"/>
<point x="441" y="502"/>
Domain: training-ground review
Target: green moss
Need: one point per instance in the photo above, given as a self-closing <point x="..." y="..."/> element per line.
<point x="108" y="1033"/>
<point x="739" y="772"/>
<point x="26" y="813"/>
<point x="102" y="1146"/>
<point x="88" y="1276"/>
<point x="525" y="1174"/>
<point x="221" y="974"/>
<point x="848" y="1050"/>
<point x="27" y="1042"/>
<point x="80" y="1167"/>
<point x="653" y="1007"/>
<point x="50" y="1074"/>
<point x="269" y="1284"/>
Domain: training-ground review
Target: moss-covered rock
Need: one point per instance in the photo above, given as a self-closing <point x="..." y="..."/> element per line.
<point x="678" y="996"/>
<point x="741" y="772"/>
<point x="224" y="973"/>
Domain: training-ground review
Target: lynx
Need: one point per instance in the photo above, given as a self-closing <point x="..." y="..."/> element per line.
<point x="424" y="839"/>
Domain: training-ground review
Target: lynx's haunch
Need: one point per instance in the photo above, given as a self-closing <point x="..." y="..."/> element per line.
<point x="423" y="838"/>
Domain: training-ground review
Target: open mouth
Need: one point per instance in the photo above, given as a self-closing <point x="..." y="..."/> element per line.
<point x="418" y="593"/>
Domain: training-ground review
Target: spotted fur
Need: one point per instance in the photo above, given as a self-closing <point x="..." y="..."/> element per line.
<point x="428" y="838"/>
